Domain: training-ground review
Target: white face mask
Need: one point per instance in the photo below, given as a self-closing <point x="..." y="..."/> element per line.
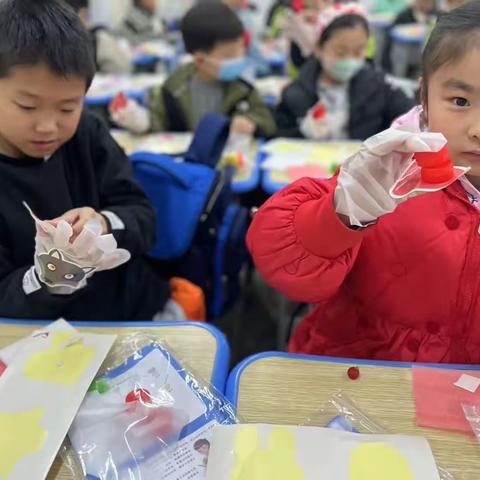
<point x="342" y="70"/>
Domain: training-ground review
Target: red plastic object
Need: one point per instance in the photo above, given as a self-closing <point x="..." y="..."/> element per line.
<point x="436" y="166"/>
<point x="353" y="373"/>
<point x="298" y="5"/>
<point x="437" y="174"/>
<point x="319" y="112"/>
<point x="139" y="395"/>
<point x="119" y="101"/>
<point x="3" y="367"/>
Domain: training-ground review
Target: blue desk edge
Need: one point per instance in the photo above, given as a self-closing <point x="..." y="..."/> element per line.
<point x="222" y="358"/>
<point x="233" y="382"/>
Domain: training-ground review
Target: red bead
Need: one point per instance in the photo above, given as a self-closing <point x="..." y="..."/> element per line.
<point x="353" y="373"/>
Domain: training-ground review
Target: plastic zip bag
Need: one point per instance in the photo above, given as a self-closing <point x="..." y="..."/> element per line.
<point x="147" y="416"/>
<point x="340" y="412"/>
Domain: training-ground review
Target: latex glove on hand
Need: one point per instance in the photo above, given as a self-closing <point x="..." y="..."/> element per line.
<point x="315" y="126"/>
<point x="65" y="264"/>
<point x="362" y="193"/>
<point x="129" y="114"/>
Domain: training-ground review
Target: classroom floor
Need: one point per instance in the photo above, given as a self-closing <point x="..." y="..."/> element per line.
<point x="256" y="323"/>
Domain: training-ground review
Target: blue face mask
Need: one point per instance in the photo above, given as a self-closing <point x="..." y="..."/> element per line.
<point x="233" y="69"/>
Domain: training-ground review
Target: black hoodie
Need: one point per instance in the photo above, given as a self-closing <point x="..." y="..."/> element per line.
<point x="374" y="103"/>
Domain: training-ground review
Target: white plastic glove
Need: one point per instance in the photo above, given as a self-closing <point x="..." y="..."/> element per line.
<point x="132" y="116"/>
<point x="65" y="267"/>
<point x="316" y="124"/>
<point x="366" y="178"/>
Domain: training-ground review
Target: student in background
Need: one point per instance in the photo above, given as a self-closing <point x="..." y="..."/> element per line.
<point x="275" y="22"/>
<point x="212" y="82"/>
<point x="338" y="94"/>
<point x="110" y="55"/>
<point x="141" y="23"/>
<point x="392" y="279"/>
<point x="300" y="23"/>
<point x="423" y="12"/>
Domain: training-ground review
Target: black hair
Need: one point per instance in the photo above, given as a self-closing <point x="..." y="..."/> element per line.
<point x="209" y="23"/>
<point x="455" y="33"/>
<point x="201" y="443"/>
<point x="340" y="23"/>
<point x="77" y="4"/>
<point x="44" y="31"/>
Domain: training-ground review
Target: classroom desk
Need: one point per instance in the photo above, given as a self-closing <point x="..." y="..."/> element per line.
<point x="154" y="51"/>
<point x="407" y="47"/>
<point x="105" y="87"/>
<point x="270" y="88"/>
<point x="245" y="179"/>
<point x="324" y="155"/>
<point x="199" y="346"/>
<point x="281" y="388"/>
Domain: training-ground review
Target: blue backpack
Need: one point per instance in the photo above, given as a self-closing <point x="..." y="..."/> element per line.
<point x="200" y="228"/>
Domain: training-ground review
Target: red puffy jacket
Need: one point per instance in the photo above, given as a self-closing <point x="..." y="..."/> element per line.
<point x="406" y="288"/>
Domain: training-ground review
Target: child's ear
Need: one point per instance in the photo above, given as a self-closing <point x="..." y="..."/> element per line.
<point x="317" y="52"/>
<point x="199" y="58"/>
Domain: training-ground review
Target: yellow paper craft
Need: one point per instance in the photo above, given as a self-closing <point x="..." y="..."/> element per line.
<point x="378" y="461"/>
<point x="60" y="363"/>
<point x="20" y="435"/>
<point x="275" y="462"/>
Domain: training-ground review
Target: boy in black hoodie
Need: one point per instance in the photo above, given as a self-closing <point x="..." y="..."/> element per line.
<point x="64" y="164"/>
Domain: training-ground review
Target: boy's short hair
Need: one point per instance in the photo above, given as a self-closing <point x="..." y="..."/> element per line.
<point x="44" y="31"/>
<point x="209" y="23"/>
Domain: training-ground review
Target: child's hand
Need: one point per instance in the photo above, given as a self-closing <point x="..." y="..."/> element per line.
<point x="241" y="124"/>
<point x="362" y="194"/>
<point x="129" y="114"/>
<point x="78" y="217"/>
<point x="316" y="124"/>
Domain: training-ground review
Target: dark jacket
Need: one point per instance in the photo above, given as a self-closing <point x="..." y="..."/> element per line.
<point x="374" y="103"/>
<point x="171" y="105"/>
<point x="90" y="170"/>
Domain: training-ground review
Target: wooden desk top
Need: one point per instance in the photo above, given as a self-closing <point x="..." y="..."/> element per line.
<point x="282" y="390"/>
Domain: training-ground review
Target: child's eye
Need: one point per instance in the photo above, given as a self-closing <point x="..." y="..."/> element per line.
<point x="67" y="110"/>
<point x="26" y="108"/>
<point x="461" y="102"/>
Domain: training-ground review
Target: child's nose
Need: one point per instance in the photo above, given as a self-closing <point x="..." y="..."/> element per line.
<point x="474" y="129"/>
<point x="46" y="125"/>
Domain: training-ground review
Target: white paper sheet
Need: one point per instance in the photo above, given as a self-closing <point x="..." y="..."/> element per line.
<point x="258" y="452"/>
<point x="40" y="393"/>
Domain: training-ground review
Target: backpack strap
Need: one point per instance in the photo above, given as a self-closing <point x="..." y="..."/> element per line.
<point x="210" y="139"/>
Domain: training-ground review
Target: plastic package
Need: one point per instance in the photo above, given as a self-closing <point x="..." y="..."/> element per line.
<point x="341" y="413"/>
<point x="472" y="414"/>
<point x="146" y="416"/>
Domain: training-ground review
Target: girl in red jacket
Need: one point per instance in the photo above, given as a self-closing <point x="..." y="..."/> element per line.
<point x="391" y="279"/>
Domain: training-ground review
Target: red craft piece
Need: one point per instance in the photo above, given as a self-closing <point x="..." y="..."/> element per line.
<point x="436" y="166"/>
<point x="298" y="5"/>
<point x="319" y="112"/>
<point x="139" y="395"/>
<point x="3" y="367"/>
<point x="353" y="373"/>
<point x="119" y="101"/>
